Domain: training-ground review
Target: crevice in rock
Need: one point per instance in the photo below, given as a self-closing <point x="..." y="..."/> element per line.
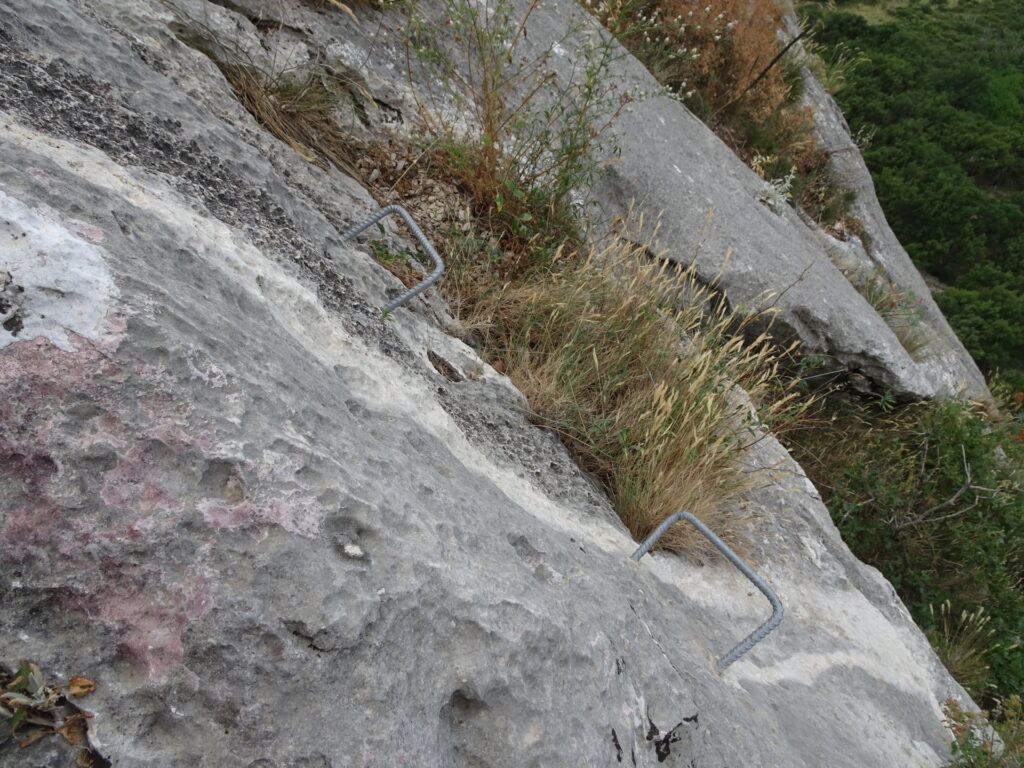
<point x="302" y="631"/>
<point x="657" y="643"/>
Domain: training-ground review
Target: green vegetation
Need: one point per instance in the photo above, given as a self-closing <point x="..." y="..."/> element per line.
<point x="975" y="737"/>
<point x="633" y="366"/>
<point x="930" y="493"/>
<point x="527" y="151"/>
<point x="940" y="85"/>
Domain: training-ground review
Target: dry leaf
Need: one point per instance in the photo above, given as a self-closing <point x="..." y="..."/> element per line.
<point x="80" y="686"/>
<point x="74" y="732"/>
<point x="32" y="738"/>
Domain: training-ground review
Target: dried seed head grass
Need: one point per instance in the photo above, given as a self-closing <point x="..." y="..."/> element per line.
<point x="901" y="310"/>
<point x="299" y="109"/>
<point x="638" y="368"/>
<point x="962" y="641"/>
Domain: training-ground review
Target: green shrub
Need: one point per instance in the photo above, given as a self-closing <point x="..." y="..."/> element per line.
<point x="525" y="160"/>
<point x="940" y="88"/>
<point x="930" y="493"/>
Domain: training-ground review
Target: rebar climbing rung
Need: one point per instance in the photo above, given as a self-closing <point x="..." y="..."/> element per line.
<point x="762" y="631"/>
<point x="430" y="279"/>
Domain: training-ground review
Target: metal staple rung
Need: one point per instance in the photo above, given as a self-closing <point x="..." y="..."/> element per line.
<point x="762" y="631"/>
<point x="430" y="279"/>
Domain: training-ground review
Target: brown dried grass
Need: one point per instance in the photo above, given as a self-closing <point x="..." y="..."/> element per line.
<point x="638" y="368"/>
<point x="297" y="109"/>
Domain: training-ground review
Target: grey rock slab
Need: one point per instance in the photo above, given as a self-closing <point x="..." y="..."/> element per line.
<point x="277" y="529"/>
<point x="944" y="359"/>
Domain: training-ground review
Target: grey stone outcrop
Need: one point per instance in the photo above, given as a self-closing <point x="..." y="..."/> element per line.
<point x="276" y="533"/>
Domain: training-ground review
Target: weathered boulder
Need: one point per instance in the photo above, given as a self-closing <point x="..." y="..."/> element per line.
<point x="271" y="529"/>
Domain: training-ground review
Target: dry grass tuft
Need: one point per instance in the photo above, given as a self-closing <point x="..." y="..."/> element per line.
<point x="902" y="311"/>
<point x="638" y="367"/>
<point x="297" y="109"/>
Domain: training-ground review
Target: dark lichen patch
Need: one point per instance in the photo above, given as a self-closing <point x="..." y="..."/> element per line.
<point x="79" y="107"/>
<point x="14" y="324"/>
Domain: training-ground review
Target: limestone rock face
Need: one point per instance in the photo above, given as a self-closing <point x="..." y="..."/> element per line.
<point x="944" y="360"/>
<point x="255" y="512"/>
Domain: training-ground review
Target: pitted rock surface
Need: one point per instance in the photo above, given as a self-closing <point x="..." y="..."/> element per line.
<point x="260" y="516"/>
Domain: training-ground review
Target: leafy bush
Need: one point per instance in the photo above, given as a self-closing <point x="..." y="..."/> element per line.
<point x="930" y="493"/>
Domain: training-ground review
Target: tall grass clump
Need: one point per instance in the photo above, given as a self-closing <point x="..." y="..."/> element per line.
<point x="638" y="368"/>
<point x="961" y="641"/>
<point x="299" y="109"/>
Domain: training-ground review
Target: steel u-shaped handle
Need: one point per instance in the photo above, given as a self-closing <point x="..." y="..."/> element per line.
<point x="430" y="279"/>
<point x="762" y="631"/>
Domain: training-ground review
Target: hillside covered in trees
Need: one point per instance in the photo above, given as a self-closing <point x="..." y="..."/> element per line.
<point x="935" y="89"/>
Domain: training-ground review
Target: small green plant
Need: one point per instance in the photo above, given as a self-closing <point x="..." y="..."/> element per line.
<point x="987" y="740"/>
<point x="34" y="709"/>
<point x="525" y="160"/>
<point x="778" y="193"/>
<point x="398" y="263"/>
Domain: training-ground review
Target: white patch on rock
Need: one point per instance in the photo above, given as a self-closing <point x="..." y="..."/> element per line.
<point x="52" y="282"/>
<point x="353" y="550"/>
